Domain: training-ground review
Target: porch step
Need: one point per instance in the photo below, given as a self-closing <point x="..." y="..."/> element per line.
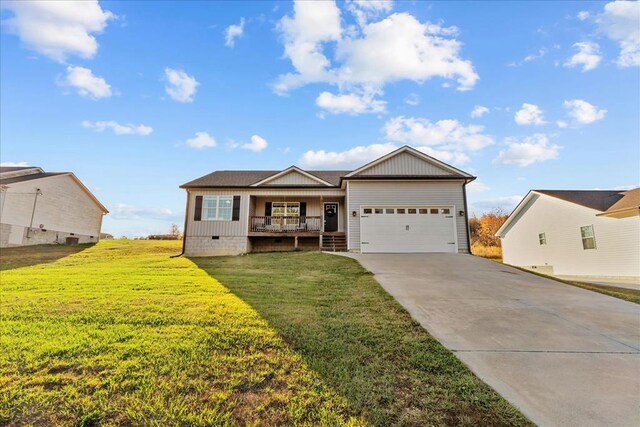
<point x="334" y="243"/>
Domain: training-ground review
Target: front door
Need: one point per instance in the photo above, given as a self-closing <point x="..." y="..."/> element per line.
<point x="330" y="217"/>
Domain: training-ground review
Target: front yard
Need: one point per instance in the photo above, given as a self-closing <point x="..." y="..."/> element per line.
<point x="119" y="333"/>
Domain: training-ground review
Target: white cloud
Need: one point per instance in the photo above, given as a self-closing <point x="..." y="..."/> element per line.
<point x="449" y="135"/>
<point x="257" y="144"/>
<point x="531" y="57"/>
<point x="533" y="149"/>
<point x="58" y="29"/>
<point x="351" y="158"/>
<point x="398" y="47"/>
<point x="180" y="86"/>
<point x="412" y="99"/>
<point x="620" y="21"/>
<point x="363" y="10"/>
<point x="588" y="56"/>
<point x="85" y="83"/>
<point x="562" y="124"/>
<point x="582" y="112"/>
<point x="479" y="111"/>
<point x="123" y="211"/>
<point x="455" y="157"/>
<point x="504" y="202"/>
<point x="14" y="164"/>
<point x="529" y="114"/>
<point x="232" y="32"/>
<point x="201" y="140"/>
<point x="477" y="187"/>
<point x="583" y="15"/>
<point x="117" y="128"/>
<point x="350" y="103"/>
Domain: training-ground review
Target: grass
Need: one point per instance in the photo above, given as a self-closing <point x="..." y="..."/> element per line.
<point x="120" y="334"/>
<point x="33" y="255"/>
<point x="491" y="252"/>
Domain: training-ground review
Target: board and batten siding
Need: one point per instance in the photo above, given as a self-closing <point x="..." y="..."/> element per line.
<point x="315" y="206"/>
<point x="617" y="252"/>
<point x="62" y="206"/>
<point x="404" y="164"/>
<point x="293" y="178"/>
<point x="405" y="193"/>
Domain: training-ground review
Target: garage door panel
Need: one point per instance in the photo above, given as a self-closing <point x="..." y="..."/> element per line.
<point x="407" y="233"/>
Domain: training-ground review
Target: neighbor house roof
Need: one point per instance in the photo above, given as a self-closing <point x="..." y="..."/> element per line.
<point x="4" y="169"/>
<point x="21" y="178"/>
<point x="599" y="200"/>
<point x="248" y="178"/>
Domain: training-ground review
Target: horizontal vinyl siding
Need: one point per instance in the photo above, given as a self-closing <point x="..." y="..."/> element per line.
<point x="404" y="164"/>
<point x="407" y="193"/>
<point x="617" y="250"/>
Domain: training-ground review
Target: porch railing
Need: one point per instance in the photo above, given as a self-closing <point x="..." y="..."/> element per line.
<point x="285" y="224"/>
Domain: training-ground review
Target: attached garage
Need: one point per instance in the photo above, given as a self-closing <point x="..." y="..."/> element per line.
<point x="408" y="229"/>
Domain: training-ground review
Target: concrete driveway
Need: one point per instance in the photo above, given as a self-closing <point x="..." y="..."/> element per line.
<point x="563" y="355"/>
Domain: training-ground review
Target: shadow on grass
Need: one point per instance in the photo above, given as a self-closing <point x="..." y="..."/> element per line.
<point x="25" y="256"/>
<point x="360" y="341"/>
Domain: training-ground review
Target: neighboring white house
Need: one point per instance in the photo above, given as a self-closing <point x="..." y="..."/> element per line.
<point x="405" y="201"/>
<point x="38" y="207"/>
<point x="575" y="233"/>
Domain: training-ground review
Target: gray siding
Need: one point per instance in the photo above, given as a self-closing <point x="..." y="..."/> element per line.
<point x="405" y="164"/>
<point x="315" y="206"/>
<point x="408" y="193"/>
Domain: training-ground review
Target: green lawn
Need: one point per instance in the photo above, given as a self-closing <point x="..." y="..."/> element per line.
<point x="119" y="333"/>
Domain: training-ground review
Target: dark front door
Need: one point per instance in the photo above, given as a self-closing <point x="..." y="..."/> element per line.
<point x="330" y="217"/>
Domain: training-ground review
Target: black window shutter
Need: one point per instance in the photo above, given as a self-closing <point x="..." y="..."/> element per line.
<point x="198" y="214"/>
<point x="236" y="208"/>
<point x="267" y="209"/>
<point x="303" y="211"/>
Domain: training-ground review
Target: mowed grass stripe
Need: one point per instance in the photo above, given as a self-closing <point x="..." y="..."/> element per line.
<point x="122" y="334"/>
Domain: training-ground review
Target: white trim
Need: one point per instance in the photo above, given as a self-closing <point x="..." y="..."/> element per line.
<point x="414" y="152"/>
<point x="337" y="213"/>
<point x="288" y="170"/>
<point x="347" y="203"/>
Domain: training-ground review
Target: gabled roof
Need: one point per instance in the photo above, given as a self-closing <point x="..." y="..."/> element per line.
<point x="248" y="178"/>
<point x="420" y="155"/>
<point x="629" y="203"/>
<point x="292" y="169"/>
<point x="598" y="200"/>
<point x="5" y="169"/>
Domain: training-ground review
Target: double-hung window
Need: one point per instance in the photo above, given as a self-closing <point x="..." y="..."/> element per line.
<point x="217" y="208"/>
<point x="542" y="238"/>
<point x="588" y="238"/>
<point x="286" y="209"/>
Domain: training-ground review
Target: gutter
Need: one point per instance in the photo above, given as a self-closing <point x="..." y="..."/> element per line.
<point x="184" y="230"/>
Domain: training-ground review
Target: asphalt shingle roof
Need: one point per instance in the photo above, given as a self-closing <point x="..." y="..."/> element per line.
<point x="595" y="199"/>
<point x="21" y="178"/>
<point x="247" y="178"/>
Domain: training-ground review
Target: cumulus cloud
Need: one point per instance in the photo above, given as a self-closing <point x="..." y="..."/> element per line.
<point x="588" y="56"/>
<point x="350" y="103"/>
<point x="351" y="158"/>
<point x="58" y="29"/>
<point x="201" y="140"/>
<point x="233" y="32"/>
<point x="583" y="15"/>
<point x="399" y="47"/>
<point x="443" y="134"/>
<point x="117" y="128"/>
<point x="477" y="187"/>
<point x="14" y="164"/>
<point x="479" y="111"/>
<point x="257" y="144"/>
<point x="529" y="114"/>
<point x="582" y="112"/>
<point x="530" y="150"/>
<point x="180" y="86"/>
<point x="620" y="22"/>
<point x="85" y="83"/>
<point x="363" y="10"/>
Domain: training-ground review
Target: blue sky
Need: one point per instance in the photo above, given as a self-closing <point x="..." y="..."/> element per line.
<point x="137" y="98"/>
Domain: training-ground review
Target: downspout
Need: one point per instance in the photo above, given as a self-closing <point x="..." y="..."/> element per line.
<point x="184" y="230"/>
<point x="466" y="216"/>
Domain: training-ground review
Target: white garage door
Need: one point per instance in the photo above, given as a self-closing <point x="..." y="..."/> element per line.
<point x="407" y="229"/>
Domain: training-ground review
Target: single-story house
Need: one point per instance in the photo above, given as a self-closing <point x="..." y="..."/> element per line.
<point x="405" y="201"/>
<point x="589" y="233"/>
<point x="38" y="207"/>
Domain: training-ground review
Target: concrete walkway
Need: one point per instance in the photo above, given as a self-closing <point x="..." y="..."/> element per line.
<point x="563" y="355"/>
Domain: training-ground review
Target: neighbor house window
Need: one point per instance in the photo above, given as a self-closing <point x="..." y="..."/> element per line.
<point x="542" y="238"/>
<point x="217" y="208"/>
<point x="588" y="238"/>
